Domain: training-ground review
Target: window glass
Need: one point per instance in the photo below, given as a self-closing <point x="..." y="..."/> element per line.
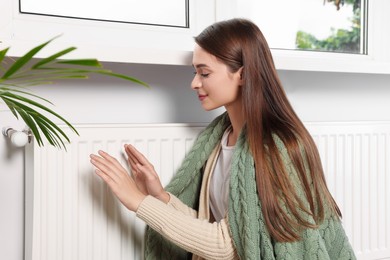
<point x="152" y="12"/>
<point x="320" y="25"/>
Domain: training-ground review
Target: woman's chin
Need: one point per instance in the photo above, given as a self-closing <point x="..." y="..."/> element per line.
<point x="209" y="108"/>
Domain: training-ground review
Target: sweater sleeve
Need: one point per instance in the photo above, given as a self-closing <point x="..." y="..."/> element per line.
<point x="207" y="240"/>
<point x="180" y="206"/>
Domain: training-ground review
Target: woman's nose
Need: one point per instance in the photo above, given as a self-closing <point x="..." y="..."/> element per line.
<point x="196" y="83"/>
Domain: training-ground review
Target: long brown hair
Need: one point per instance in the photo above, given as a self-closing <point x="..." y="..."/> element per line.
<point x="240" y="43"/>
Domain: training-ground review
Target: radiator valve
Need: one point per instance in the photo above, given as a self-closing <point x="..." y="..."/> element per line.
<point x="18" y="138"/>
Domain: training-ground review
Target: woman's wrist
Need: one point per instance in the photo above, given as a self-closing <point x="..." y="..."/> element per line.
<point x="136" y="200"/>
<point x="164" y="197"/>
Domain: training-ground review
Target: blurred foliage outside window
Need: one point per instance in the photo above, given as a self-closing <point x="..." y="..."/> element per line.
<point x="340" y="40"/>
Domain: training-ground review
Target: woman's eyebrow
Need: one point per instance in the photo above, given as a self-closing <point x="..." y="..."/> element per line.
<point x="201" y="65"/>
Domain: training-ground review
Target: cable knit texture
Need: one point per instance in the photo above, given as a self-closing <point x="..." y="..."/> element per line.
<point x="246" y="222"/>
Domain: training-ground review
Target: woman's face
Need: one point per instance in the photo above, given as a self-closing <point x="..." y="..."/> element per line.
<point x="215" y="84"/>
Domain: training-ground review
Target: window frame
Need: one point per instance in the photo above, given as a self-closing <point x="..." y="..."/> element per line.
<point x="104" y="40"/>
<point x="130" y="43"/>
<point x="377" y="59"/>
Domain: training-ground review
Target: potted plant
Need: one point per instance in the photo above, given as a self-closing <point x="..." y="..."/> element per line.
<point x="18" y="74"/>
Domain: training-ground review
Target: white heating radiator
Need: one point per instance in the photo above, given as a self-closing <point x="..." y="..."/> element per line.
<point x="71" y="214"/>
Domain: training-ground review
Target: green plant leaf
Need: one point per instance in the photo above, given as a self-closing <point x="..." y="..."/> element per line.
<point x="46" y="74"/>
<point x="26" y="93"/>
<point x="52" y="57"/>
<point x="26" y="118"/>
<point x="51" y="134"/>
<point x="34" y="119"/>
<point x="23" y="60"/>
<point x="32" y="125"/>
<point x="21" y="74"/>
<point x="109" y="73"/>
<point x="11" y="107"/>
<point x="84" y="62"/>
<point x="3" y="53"/>
<point x="34" y="103"/>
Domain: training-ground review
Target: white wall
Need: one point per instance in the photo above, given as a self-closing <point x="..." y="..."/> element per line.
<point x="315" y="96"/>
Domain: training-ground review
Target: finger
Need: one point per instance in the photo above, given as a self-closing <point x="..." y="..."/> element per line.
<point x="110" y="160"/>
<point x="106" y="167"/>
<point x="103" y="169"/>
<point x="138" y="156"/>
<point x="131" y="160"/>
<point x="104" y="177"/>
<point x="147" y="172"/>
<point x="131" y="156"/>
<point x="98" y="162"/>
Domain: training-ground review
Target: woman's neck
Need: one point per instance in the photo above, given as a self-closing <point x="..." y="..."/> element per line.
<point x="237" y="120"/>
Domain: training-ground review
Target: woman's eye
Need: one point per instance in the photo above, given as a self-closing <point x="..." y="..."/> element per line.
<point x="203" y="75"/>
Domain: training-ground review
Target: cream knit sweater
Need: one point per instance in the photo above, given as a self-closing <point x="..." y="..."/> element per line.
<point x="190" y="229"/>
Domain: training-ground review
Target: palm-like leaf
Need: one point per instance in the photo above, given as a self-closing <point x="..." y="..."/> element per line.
<point x="16" y="75"/>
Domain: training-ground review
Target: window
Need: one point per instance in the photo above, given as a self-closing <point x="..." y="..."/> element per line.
<point x="148" y="43"/>
<point x="154" y="31"/>
<point x="149" y="12"/>
<point x="332" y="27"/>
<point x="351" y="39"/>
<point x="316" y="25"/>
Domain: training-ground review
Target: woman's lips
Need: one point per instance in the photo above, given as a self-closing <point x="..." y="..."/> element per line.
<point x="202" y="97"/>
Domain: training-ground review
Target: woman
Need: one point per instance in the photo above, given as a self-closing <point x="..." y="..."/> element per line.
<point x="252" y="186"/>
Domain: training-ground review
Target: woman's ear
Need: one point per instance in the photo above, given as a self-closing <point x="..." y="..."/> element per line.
<point x="240" y="71"/>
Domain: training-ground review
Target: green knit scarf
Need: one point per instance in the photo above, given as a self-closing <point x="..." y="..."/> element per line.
<point x="246" y="222"/>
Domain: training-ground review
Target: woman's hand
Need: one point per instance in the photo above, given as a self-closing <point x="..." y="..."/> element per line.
<point x="144" y="174"/>
<point x="117" y="178"/>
